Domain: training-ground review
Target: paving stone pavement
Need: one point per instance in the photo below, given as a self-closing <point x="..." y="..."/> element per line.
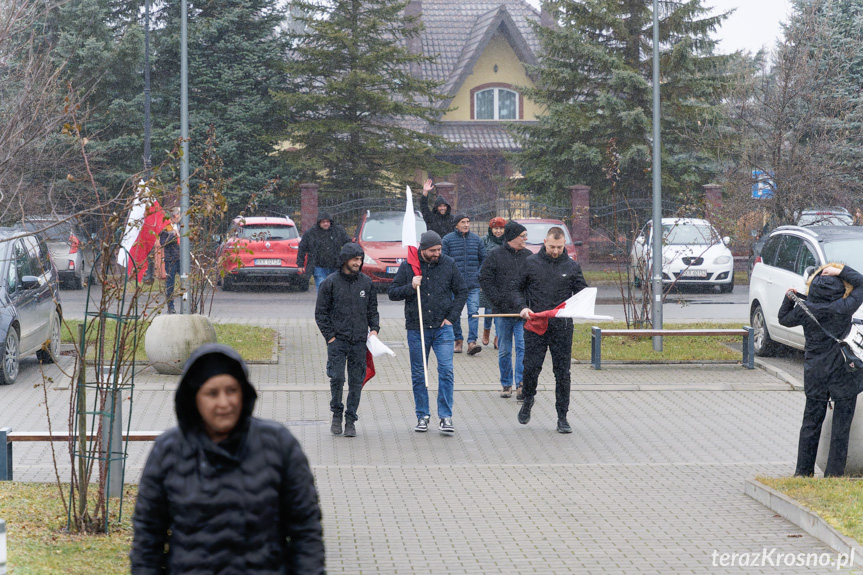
<point x="651" y="480"/>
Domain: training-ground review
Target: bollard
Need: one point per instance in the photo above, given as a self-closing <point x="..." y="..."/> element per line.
<point x="2" y="547"/>
<point x="112" y="437"/>
<point x="5" y="454"/>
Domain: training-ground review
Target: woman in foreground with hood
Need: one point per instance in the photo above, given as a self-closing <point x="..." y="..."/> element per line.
<point x="224" y="492"/>
<point x="835" y="293"/>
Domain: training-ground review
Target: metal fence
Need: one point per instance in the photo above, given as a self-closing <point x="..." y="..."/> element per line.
<point x="614" y="226"/>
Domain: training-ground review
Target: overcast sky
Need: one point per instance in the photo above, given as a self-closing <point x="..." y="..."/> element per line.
<point x="754" y="24"/>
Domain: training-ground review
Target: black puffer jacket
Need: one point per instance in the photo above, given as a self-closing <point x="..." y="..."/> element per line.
<point x="500" y="275"/>
<point x="246" y="505"/>
<point x="322" y="246"/>
<point x="823" y="370"/>
<point x="545" y="283"/>
<point x="347" y="306"/>
<point x="170" y="245"/>
<point x="435" y="221"/>
<point x="443" y="293"/>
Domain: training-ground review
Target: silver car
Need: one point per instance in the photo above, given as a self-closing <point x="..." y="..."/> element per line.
<point x="64" y="238"/>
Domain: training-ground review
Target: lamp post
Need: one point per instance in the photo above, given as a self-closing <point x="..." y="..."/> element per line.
<point x="185" y="259"/>
<point x="656" y="283"/>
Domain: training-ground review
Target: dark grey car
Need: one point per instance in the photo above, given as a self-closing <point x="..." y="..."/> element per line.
<point x="30" y="310"/>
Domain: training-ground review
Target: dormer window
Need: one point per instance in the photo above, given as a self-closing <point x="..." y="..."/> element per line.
<point x="496" y="104"/>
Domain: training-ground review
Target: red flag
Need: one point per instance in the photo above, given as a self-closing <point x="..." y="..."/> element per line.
<point x="153" y="224"/>
<point x="581" y="306"/>
<point x="409" y="234"/>
<point x="370" y="367"/>
<point x="414" y="260"/>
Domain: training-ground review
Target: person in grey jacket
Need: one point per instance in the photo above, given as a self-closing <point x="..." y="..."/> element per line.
<point x="347" y="314"/>
<point x="225" y="492"/>
<point x="492" y="240"/>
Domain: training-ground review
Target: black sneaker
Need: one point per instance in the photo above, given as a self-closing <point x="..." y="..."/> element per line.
<point x="350" y="429"/>
<point x="336" y="427"/>
<point x="524" y="412"/>
<point x="446" y="425"/>
<point x="563" y="425"/>
<point x="422" y="424"/>
<point x="519" y="394"/>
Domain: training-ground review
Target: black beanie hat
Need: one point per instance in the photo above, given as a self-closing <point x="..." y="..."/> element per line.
<point x="461" y="216"/>
<point x="429" y="239"/>
<point x="512" y="230"/>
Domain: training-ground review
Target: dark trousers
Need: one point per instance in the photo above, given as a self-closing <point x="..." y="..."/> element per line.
<point x="338" y="354"/>
<point x="810" y="433"/>
<point x="558" y="340"/>
<point x="172" y="269"/>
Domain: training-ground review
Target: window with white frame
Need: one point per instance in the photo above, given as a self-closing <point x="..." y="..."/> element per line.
<point x="496" y="104"/>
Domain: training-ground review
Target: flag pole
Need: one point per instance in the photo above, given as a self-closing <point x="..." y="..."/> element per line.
<point x="496" y="315"/>
<point x="423" y="339"/>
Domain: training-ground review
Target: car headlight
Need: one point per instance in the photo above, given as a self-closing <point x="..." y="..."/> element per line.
<point x="368" y="260"/>
<point x="722" y="260"/>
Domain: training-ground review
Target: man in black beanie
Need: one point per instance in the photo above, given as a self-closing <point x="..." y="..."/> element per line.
<point x="499" y="281"/>
<point x="468" y="251"/>
<point x="443" y="295"/>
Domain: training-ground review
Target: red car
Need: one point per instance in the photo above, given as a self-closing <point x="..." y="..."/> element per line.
<point x="262" y="251"/>
<point x="538" y="228"/>
<point x="380" y="236"/>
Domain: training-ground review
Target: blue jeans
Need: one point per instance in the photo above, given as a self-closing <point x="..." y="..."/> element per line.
<point x="321" y="274"/>
<point x="441" y="341"/>
<point x="486" y="323"/>
<point x="509" y="329"/>
<point x="172" y="268"/>
<point x="472" y="322"/>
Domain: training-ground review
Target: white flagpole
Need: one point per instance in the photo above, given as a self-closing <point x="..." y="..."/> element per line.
<point x="423" y="339"/>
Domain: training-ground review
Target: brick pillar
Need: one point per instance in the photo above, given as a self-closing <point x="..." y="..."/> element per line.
<point x="712" y="200"/>
<point x="447" y="190"/>
<point x="580" y="196"/>
<point x="308" y="206"/>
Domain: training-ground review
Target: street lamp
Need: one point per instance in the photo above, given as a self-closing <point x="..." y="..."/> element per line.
<point x="656" y="283"/>
<point x="185" y="259"/>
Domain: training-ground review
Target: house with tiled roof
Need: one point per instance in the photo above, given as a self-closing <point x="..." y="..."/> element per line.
<point x="480" y="50"/>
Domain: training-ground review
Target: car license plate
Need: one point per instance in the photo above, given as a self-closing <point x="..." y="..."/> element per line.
<point x="694" y="274"/>
<point x="272" y="262"/>
<point x="392" y="269"/>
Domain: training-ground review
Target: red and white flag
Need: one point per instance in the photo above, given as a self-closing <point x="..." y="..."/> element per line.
<point x="579" y="306"/>
<point x="374" y="348"/>
<point x="146" y="220"/>
<point x="409" y="234"/>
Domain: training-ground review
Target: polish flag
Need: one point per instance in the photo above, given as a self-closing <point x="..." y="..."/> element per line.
<point x="579" y="306"/>
<point x="146" y="220"/>
<point x="409" y="234"/>
<point x="374" y="348"/>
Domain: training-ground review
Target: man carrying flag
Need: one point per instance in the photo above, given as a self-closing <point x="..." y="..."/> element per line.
<point x="434" y="294"/>
<point x="548" y="279"/>
<point x="347" y="315"/>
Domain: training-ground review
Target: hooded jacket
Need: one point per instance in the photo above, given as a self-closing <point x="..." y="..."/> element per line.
<point x="833" y="305"/>
<point x="322" y="246"/>
<point x="547" y="282"/>
<point x="468" y="251"/>
<point x="244" y="506"/>
<point x="443" y="293"/>
<point x="347" y="306"/>
<point x="440" y="223"/>
<point x="500" y="275"/>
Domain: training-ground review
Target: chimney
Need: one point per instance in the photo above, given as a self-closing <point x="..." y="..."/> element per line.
<point x="546" y="20"/>
<point x="414" y="10"/>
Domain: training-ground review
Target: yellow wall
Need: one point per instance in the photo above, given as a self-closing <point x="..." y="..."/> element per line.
<point x="510" y="70"/>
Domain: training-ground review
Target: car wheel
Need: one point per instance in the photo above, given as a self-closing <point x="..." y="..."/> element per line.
<point x="11" y="358"/>
<point x="77" y="282"/>
<point x="729" y="287"/>
<point x="763" y="345"/>
<point x="50" y="353"/>
<point x="303" y="284"/>
<point x="227" y="284"/>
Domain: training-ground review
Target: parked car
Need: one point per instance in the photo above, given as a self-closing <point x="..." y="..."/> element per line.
<point x="692" y="254"/>
<point x="380" y="236"/>
<point x="787" y="255"/>
<point x="64" y="238"/>
<point x="537" y="229"/>
<point x="262" y="251"/>
<point x="30" y="311"/>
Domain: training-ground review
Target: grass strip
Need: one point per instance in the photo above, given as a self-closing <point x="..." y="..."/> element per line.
<point x="37" y="540"/>
<point x="254" y="343"/>
<point x="610" y="275"/>
<point x="677" y="348"/>
<point x="838" y="500"/>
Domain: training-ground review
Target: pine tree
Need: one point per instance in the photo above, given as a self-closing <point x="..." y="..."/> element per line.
<point x="355" y="111"/>
<point x="595" y="79"/>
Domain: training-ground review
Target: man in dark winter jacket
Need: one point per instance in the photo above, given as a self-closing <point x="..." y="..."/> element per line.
<point x="346" y="310"/>
<point x="835" y="293"/>
<point x="443" y="295"/>
<point x="438" y="219"/>
<point x="169" y="239"/>
<point x="499" y="279"/>
<point x="322" y="244"/>
<point x="468" y="251"/>
<point x="548" y="279"/>
<point x="225" y="492"/>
